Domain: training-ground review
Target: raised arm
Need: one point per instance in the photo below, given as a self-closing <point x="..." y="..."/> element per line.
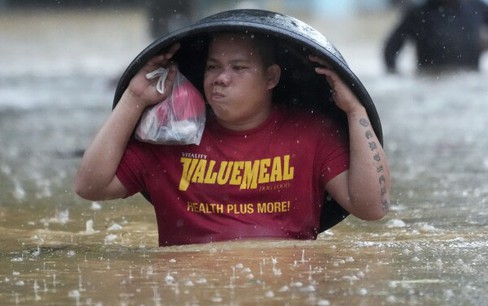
<point x="96" y="179"/>
<point x="363" y="190"/>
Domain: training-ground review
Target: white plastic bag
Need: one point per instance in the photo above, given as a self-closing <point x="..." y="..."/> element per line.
<point x="179" y="119"/>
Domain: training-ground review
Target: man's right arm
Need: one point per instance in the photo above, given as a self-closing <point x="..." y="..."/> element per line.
<point x="96" y="178"/>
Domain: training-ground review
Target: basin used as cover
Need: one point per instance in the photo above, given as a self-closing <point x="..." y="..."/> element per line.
<point x="299" y="84"/>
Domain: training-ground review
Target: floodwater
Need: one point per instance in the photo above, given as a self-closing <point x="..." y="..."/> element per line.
<point x="56" y="85"/>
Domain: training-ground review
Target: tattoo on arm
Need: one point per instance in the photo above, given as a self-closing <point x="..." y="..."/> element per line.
<point x="373" y="146"/>
<point x="377" y="157"/>
<point x="364" y="122"/>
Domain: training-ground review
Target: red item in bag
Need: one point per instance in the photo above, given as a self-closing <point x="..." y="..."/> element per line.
<point x="179" y="119"/>
<point x="185" y="91"/>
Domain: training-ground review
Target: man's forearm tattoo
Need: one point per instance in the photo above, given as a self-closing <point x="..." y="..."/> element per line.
<point x="364" y="122"/>
<point x="373" y="146"/>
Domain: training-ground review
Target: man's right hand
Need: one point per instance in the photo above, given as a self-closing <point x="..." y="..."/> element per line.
<point x="143" y="91"/>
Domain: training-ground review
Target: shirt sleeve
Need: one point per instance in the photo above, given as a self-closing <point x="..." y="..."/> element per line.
<point x="131" y="170"/>
<point x="332" y="151"/>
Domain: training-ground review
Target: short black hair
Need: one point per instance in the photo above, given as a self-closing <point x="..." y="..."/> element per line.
<point x="263" y="43"/>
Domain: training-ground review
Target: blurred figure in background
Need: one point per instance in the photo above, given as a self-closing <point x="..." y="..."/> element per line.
<point x="448" y="35"/>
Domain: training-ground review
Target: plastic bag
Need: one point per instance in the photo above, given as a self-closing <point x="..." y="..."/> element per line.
<point x="179" y="119"/>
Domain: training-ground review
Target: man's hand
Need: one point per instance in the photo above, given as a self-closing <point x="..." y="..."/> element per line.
<point x="343" y="97"/>
<point x="142" y="90"/>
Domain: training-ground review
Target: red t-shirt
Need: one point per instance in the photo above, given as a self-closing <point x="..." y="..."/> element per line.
<point x="265" y="182"/>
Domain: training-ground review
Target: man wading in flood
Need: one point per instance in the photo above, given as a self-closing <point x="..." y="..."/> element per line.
<point x="262" y="169"/>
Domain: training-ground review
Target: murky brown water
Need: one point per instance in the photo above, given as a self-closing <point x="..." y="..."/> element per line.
<point x="56" y="249"/>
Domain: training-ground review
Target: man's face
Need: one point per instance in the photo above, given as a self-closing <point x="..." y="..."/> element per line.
<point x="236" y="84"/>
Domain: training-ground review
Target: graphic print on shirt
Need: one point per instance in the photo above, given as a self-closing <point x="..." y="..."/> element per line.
<point x="248" y="174"/>
<point x="245" y="174"/>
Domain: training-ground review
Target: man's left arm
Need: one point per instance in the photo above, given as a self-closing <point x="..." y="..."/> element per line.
<point x="364" y="189"/>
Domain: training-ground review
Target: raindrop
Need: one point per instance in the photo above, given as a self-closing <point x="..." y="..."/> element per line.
<point x="95" y="206"/>
<point x="19" y="192"/>
<point x="156" y="295"/>
<point x="303" y="257"/>
<point x="395" y="223"/>
<point x="150" y="270"/>
<point x="216" y="298"/>
<point x="309" y="288"/>
<point x="36" y="252"/>
<point x="115" y="227"/>
<point x="277" y="272"/>
<point x="169" y="279"/>
<point x="296" y="284"/>
<point x="36" y="291"/>
<point x="269" y="294"/>
<point x="425" y="228"/>
<point x="246" y="270"/>
<point x="75" y="294"/>
<point x="109" y="238"/>
<point x="89" y="227"/>
<point x="285" y="288"/>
